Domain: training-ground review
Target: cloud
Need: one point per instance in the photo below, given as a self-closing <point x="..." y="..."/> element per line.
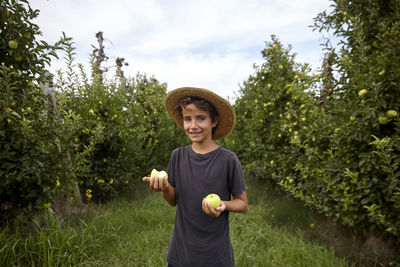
<point x="201" y="43"/>
<point x="221" y="73"/>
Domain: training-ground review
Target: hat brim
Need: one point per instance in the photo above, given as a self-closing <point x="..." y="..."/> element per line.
<point x="226" y="113"/>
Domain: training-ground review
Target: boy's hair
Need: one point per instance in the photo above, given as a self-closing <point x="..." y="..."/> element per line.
<point x="199" y="103"/>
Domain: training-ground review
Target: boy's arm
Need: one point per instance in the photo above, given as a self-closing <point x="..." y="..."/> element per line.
<point x="238" y="204"/>
<point x="158" y="185"/>
<point x="169" y="195"/>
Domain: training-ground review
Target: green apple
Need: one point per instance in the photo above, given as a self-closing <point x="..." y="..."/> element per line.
<point x="391" y="113"/>
<point x="161" y="174"/>
<point x="13" y="44"/>
<point x="362" y="92"/>
<point x="214" y="200"/>
<point x="154" y="173"/>
<point x="383" y="120"/>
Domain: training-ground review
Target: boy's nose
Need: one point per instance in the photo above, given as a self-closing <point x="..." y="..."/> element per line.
<point x="193" y="124"/>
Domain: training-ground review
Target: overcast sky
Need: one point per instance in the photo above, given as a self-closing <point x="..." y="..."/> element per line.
<point x="208" y="43"/>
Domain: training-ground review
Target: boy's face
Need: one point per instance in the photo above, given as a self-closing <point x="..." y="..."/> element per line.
<point x="197" y="124"/>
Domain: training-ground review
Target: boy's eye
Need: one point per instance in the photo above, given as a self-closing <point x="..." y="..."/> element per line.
<point x="186" y="119"/>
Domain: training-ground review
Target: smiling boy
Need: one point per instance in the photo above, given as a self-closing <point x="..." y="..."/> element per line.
<point x="201" y="233"/>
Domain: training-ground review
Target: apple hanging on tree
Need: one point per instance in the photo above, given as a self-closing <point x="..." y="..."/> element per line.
<point x="362" y="92"/>
<point x="12" y="44"/>
<point x="391" y="113"/>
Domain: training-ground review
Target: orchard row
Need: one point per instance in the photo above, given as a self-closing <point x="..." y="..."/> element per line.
<point x="331" y="139"/>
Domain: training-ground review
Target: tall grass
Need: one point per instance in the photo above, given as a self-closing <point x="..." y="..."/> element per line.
<point x="53" y="245"/>
<point x="137" y="232"/>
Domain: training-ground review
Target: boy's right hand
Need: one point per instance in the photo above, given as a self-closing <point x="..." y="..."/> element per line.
<point x="156" y="183"/>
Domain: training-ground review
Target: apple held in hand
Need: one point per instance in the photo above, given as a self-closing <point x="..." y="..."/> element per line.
<point x="214" y="200"/>
<point x="161" y="174"/>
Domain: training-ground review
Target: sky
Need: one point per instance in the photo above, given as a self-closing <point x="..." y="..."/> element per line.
<point x="211" y="44"/>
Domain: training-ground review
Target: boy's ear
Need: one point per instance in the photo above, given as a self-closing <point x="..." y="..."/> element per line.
<point x="215" y="122"/>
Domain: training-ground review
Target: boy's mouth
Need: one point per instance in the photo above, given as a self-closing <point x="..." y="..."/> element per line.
<point x="194" y="133"/>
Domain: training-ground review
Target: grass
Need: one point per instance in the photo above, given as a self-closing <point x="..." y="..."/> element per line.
<point x="135" y="232"/>
<point x="258" y="243"/>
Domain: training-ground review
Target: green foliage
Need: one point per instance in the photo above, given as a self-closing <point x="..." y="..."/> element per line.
<point x="29" y="162"/>
<point x="271" y="112"/>
<point x="116" y="132"/>
<point x="119" y="134"/>
<point x="338" y="152"/>
<point x="19" y="47"/>
<point x="85" y="137"/>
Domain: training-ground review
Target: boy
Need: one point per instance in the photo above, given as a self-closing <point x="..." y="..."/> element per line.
<point x="201" y="233"/>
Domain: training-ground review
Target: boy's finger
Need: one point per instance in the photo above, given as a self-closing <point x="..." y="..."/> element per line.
<point x="204" y="206"/>
<point x="146" y="179"/>
<point x="208" y="209"/>
<point x="157" y="184"/>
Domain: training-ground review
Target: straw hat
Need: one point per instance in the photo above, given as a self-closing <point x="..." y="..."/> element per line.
<point x="226" y="114"/>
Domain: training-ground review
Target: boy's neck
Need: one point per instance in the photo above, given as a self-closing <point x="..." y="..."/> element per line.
<point x="203" y="148"/>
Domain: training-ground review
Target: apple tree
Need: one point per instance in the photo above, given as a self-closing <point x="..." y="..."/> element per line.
<point x="30" y="163"/>
<point x="338" y="151"/>
<point x="271" y="111"/>
<point x="120" y="130"/>
<point x="366" y="138"/>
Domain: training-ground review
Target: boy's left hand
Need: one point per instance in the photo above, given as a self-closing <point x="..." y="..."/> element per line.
<point x="213" y="212"/>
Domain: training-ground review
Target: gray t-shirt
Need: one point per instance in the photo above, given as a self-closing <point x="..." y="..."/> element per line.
<point x="198" y="239"/>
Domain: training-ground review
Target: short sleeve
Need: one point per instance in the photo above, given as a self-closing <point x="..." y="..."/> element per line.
<point x="236" y="177"/>
<point x="171" y="169"/>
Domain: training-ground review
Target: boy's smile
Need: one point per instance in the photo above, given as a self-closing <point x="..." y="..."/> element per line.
<point x="197" y="124"/>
